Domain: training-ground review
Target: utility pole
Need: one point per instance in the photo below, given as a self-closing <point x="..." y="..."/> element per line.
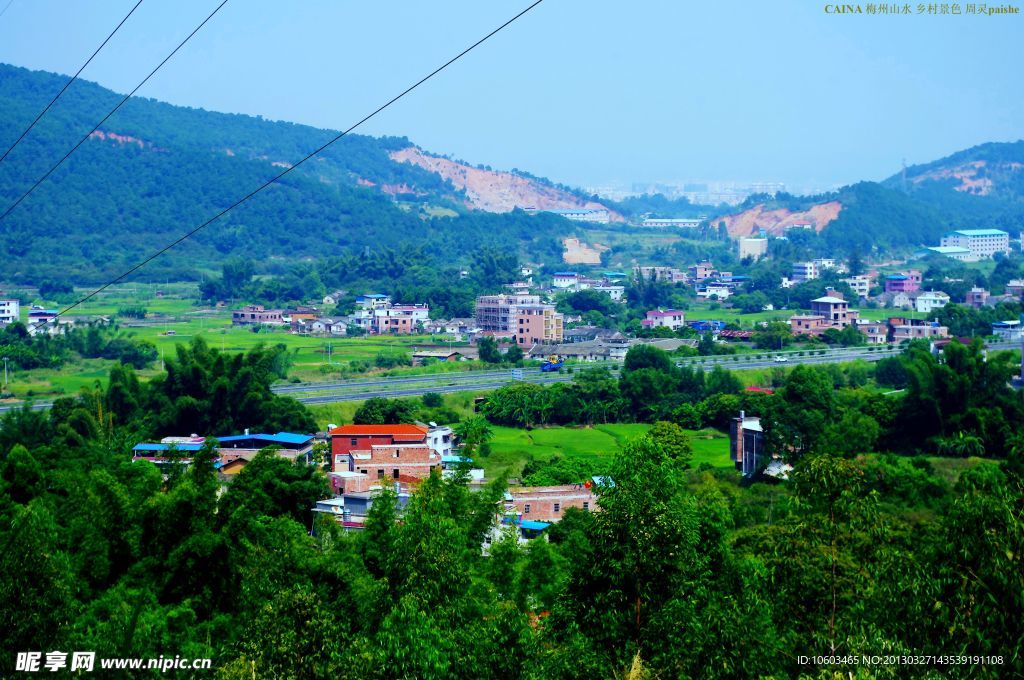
<point x="5" y="372"/>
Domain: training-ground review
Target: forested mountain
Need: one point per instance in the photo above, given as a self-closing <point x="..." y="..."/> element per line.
<point x="154" y="171"/>
<point x="980" y="187"/>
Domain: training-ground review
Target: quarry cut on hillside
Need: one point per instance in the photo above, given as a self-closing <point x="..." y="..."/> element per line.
<point x="967" y="175"/>
<point x="776" y="222"/>
<point x="495" y="191"/>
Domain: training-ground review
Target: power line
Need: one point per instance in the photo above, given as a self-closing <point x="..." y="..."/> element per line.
<point x="67" y="84"/>
<point x="7" y="7"/>
<point x="112" y="111"/>
<point x="284" y="172"/>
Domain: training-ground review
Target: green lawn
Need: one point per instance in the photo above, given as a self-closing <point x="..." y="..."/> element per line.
<point x="511" y="447"/>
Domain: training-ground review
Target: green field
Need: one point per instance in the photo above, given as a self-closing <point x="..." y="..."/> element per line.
<point x="512" y="447"/>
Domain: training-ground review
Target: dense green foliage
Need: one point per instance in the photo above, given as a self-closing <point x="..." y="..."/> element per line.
<point x="167" y="169"/>
<point x="43" y="350"/>
<point x="682" y="573"/>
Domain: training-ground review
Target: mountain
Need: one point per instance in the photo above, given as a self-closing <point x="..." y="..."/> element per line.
<point x="154" y="171"/>
<point x="985" y="181"/>
<point x="979" y="187"/>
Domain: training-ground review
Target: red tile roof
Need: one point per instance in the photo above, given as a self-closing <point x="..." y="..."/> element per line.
<point x="398" y="431"/>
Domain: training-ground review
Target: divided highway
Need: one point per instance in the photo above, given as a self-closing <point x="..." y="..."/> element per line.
<point x="479" y="381"/>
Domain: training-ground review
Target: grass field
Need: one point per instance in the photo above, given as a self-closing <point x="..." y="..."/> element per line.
<point x="511" y="447"/>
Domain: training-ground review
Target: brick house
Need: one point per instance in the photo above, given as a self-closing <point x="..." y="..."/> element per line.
<point x="548" y="503"/>
<point x="256" y="314"/>
<point x="348" y="438"/>
<point x="394" y="461"/>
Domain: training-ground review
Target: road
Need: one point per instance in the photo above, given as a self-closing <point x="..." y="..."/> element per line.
<point x="479" y="381"/>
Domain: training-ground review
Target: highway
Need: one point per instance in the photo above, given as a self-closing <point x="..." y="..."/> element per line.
<point x="479" y="381"/>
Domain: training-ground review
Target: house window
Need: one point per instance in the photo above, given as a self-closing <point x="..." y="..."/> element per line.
<point x="558" y="507"/>
<point x="380" y="474"/>
<point x="586" y="505"/>
<point x="394" y="473"/>
<point x="526" y="509"/>
<point x="396" y="454"/>
<point x="353" y="441"/>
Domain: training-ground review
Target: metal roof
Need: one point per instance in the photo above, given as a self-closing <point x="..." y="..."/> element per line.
<point x="979" y="232"/>
<point x="156" y="446"/>
<point x="279" y="438"/>
<point x="534" y="525"/>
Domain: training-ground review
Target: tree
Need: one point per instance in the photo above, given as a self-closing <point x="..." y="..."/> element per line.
<point x="773" y="335"/>
<point x="673" y="441"/>
<point x="488" y="350"/>
<point x="473" y="433"/>
<point x="646" y="356"/>
<point x="380" y="411"/>
<point x="514" y="354"/>
<point x="722" y="381"/>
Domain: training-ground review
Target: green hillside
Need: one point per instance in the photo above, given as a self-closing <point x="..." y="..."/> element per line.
<point x="159" y="170"/>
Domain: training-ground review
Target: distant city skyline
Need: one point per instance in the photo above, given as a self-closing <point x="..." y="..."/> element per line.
<point x="585" y="93"/>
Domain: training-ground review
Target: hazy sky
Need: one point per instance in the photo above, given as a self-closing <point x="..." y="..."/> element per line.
<point x="584" y="92"/>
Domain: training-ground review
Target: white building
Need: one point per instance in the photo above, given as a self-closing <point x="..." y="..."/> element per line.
<point x="983" y="243"/>
<point x="681" y="222"/>
<point x="10" y="311"/>
<point x="754" y="248"/>
<point x="931" y="300"/>
<point x="860" y="285"/>
<point x="441" y="439"/>
<point x="616" y="293"/>
<point x="565" y="279"/>
<point x="668" y="318"/>
<point x="804" y="271"/>
<point x="953" y="252"/>
<point x="720" y="291"/>
<point x="598" y="215"/>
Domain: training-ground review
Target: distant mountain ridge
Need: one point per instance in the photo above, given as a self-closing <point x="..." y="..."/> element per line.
<point x="155" y="170"/>
<point x="978" y="187"/>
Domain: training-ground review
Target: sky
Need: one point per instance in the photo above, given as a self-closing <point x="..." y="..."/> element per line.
<point x="586" y="93"/>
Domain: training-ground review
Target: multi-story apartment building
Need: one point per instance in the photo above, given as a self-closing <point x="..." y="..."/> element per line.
<point x="10" y="311"/>
<point x="680" y="222"/>
<point x="565" y="279"/>
<point x="538" y="325"/>
<point x="598" y="215"/>
<point x="376" y="314"/>
<point x="903" y="282"/>
<point x="701" y="271"/>
<point x="976" y="297"/>
<point x="400" y="319"/>
<point x="522" y="315"/>
<point x="982" y="243"/>
<point x="828" y="311"/>
<point x="804" y="272"/>
<point x="860" y="285"/>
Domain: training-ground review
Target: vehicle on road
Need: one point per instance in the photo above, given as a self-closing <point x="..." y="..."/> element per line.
<point x="781" y="360"/>
<point x="552" y="364"/>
